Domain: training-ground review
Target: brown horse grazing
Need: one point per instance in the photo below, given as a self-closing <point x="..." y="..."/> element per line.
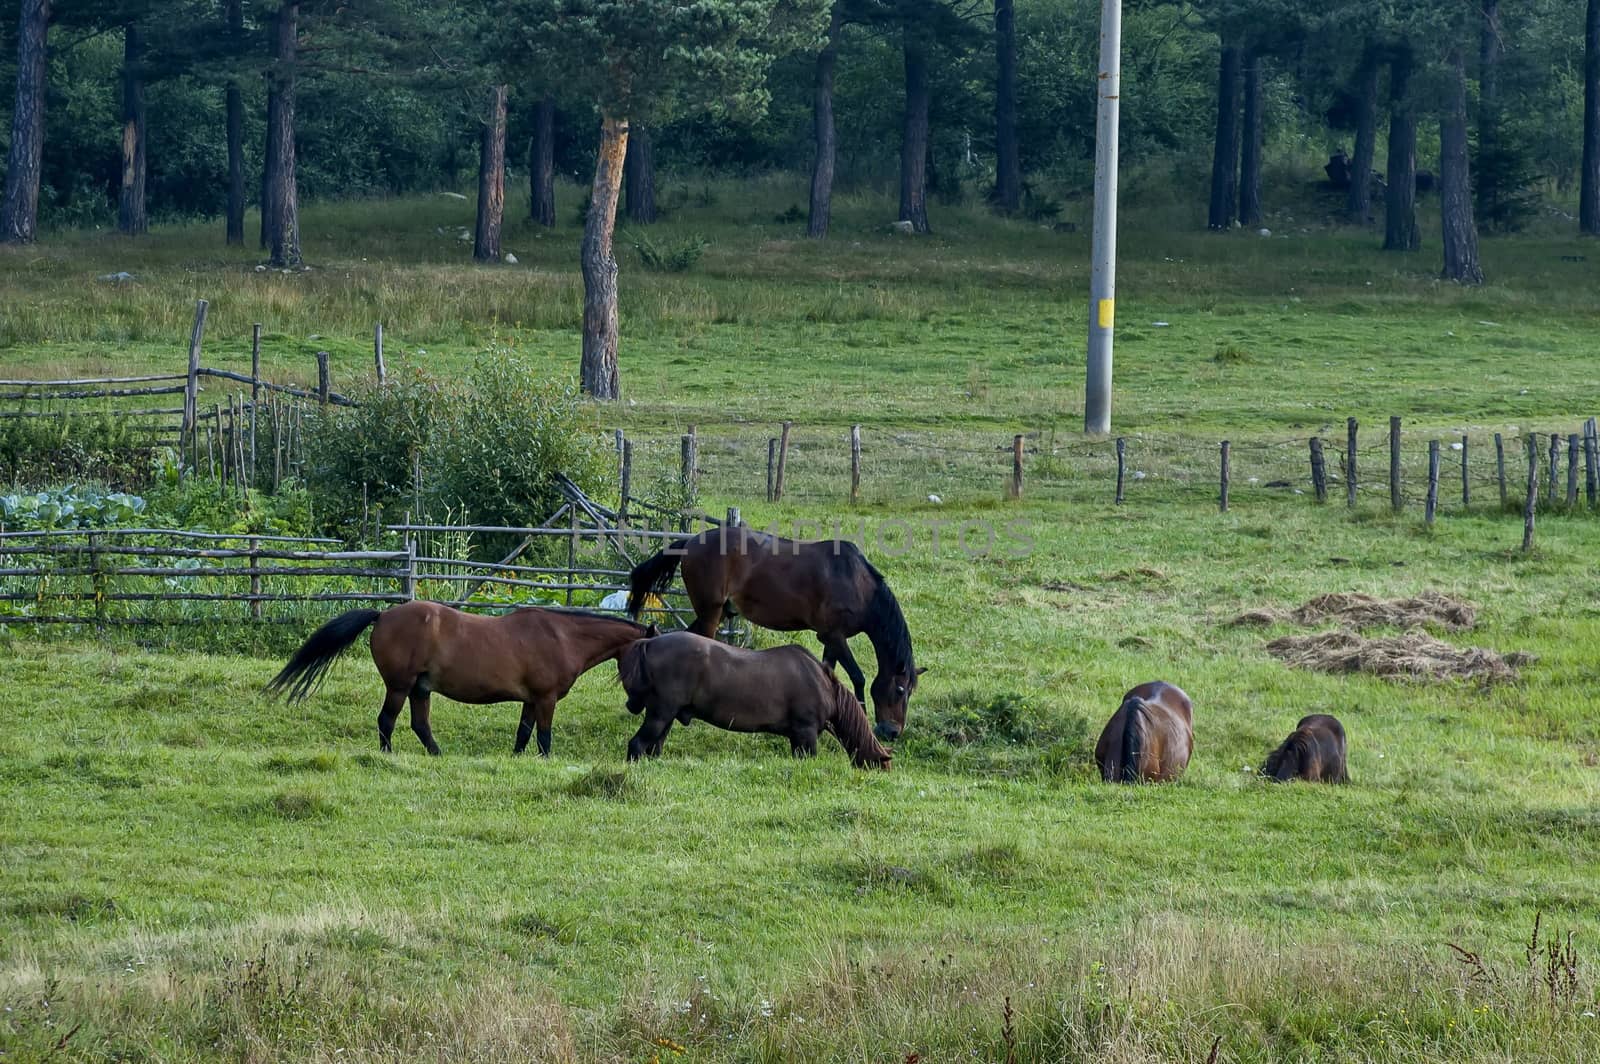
<point x="826" y="587"/>
<point x="1149" y="737"/>
<point x="1314" y="752"/>
<point x="532" y="656"/>
<point x="783" y="691"/>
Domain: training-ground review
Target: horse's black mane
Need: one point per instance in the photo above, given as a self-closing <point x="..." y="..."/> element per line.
<point x="886" y="624"/>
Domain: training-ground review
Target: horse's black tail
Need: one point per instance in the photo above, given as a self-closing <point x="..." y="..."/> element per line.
<point x="1132" y="739"/>
<point x="653" y="575"/>
<point x="310" y="664"/>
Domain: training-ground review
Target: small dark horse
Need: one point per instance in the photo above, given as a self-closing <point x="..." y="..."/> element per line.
<point x="783" y="691"/>
<point x="826" y="587"/>
<point x="532" y="656"/>
<point x="1149" y="737"/>
<point x="1314" y="752"/>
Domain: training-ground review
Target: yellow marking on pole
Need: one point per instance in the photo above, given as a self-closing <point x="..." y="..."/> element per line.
<point x="1107" y="312"/>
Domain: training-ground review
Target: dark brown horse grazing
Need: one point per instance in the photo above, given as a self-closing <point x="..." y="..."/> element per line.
<point x="1149" y="737"/>
<point x="783" y="691"/>
<point x="1314" y="752"/>
<point x="826" y="587"/>
<point x="532" y="656"/>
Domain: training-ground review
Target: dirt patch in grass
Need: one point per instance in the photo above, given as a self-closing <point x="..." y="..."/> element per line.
<point x="1412" y="656"/>
<point x="1365" y="611"/>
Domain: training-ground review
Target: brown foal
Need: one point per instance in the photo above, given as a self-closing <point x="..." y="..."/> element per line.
<point x="1149" y="737"/>
<point x="1314" y="752"/>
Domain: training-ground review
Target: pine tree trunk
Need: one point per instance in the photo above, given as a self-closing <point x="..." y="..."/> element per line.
<point x="914" y="139"/>
<point x="1455" y="182"/>
<point x="1358" y="202"/>
<point x="283" y="237"/>
<point x="542" y="165"/>
<point x="1252" y="139"/>
<point x="1589" y="191"/>
<point x="269" y="157"/>
<point x="1490" y="49"/>
<point x="822" y="128"/>
<point x="491" y="178"/>
<point x="19" y="209"/>
<point x="235" y="111"/>
<point x="640" y="167"/>
<point x="131" y="217"/>
<point x="1225" y="148"/>
<point x="1008" y="164"/>
<point x="1400" y="202"/>
<point x="598" y="375"/>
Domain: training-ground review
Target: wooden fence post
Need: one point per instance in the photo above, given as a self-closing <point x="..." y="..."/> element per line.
<point x="783" y="461"/>
<point x="772" y="468"/>
<point x="191" y="386"/>
<point x="1350" y="462"/>
<point x="255" y="578"/>
<point x="1319" y="470"/>
<point x="1572" y="470"/>
<point x="1466" y="487"/>
<point x="1532" y="501"/>
<point x="1433" y="483"/>
<point x="1500" y="467"/>
<point x="377" y="354"/>
<point x="1555" y="466"/>
<point x="1223" y="498"/>
<point x="255" y="393"/>
<point x="98" y="582"/>
<point x="689" y="457"/>
<point x="1015" y="488"/>
<point x="323" y="384"/>
<point x="855" y="463"/>
<point x="1122" y="463"/>
<point x="627" y="479"/>
<point x="1394" y="464"/>
<point x="1591" y="453"/>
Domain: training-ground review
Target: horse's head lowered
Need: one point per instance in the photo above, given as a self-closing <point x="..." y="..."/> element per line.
<point x="891" y="693"/>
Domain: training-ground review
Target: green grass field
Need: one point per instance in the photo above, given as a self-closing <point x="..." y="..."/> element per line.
<point x="191" y="871"/>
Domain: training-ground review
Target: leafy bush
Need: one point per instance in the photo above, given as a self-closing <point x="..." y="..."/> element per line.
<point x="365" y="456"/>
<point x="499" y="443"/>
<point x="93" y="445"/>
<point x="671" y="256"/>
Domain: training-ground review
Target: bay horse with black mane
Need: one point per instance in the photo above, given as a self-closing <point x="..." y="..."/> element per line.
<point x="532" y="656"/>
<point x="1314" y="752"/>
<point x="1149" y="737"/>
<point x="783" y="691"/>
<point x="826" y="586"/>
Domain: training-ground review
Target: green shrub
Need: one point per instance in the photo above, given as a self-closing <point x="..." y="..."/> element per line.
<point x="88" y="445"/>
<point x="499" y="443"/>
<point x="670" y="256"/>
<point x="1003" y="734"/>
<point x="361" y="460"/>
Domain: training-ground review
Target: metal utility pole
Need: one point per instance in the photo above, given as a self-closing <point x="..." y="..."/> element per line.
<point x="1103" y="269"/>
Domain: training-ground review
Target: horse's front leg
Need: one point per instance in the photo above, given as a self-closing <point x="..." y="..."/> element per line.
<point x="838" y="649"/>
<point x="803" y="742"/>
<point x="536" y="720"/>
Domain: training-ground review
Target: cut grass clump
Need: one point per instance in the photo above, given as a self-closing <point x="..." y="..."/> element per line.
<point x="289" y="764"/>
<point x="1413" y="656"/>
<point x="73" y="906"/>
<point x="610" y="784"/>
<point x="1365" y="611"/>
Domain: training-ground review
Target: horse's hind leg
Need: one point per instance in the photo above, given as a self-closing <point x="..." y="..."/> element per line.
<point x="392" y="701"/>
<point x="536" y="715"/>
<point x="651" y="736"/>
<point x="420" y="697"/>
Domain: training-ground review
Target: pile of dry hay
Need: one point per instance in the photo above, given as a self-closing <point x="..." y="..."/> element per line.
<point x="1413" y="656"/>
<point x="1365" y="611"/>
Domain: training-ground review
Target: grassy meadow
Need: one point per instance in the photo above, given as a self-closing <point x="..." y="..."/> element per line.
<point x="189" y="871"/>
